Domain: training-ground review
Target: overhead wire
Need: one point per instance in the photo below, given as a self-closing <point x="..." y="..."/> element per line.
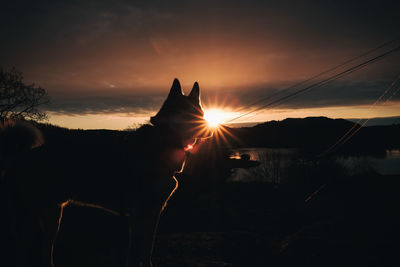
<point x="322" y="73"/>
<point x="325" y="81"/>
<point x="362" y="125"/>
<point x="357" y="123"/>
<point x="319" y="83"/>
<point x="354" y="132"/>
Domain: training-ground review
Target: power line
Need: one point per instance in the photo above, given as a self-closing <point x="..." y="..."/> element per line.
<point x="322" y="73"/>
<point x="324" y="81"/>
<point x="350" y="133"/>
<point x="329" y="79"/>
<point x="349" y="137"/>
<point x="362" y="125"/>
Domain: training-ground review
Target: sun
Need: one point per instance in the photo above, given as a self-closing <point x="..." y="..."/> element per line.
<point x="215" y="117"/>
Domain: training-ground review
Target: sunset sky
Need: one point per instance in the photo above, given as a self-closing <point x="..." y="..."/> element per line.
<point x="110" y="64"/>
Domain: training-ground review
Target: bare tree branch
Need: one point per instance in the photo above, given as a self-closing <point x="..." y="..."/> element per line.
<point x="18" y="100"/>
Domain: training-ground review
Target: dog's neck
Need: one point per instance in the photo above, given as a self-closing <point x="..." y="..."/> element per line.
<point x="161" y="144"/>
<point x="173" y="136"/>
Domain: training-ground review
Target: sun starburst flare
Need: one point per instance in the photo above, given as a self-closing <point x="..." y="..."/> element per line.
<point x="215" y="117"/>
<point x="215" y="128"/>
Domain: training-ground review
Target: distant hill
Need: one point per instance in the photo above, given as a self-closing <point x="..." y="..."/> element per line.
<point x="311" y="135"/>
<point x="381" y="121"/>
<point x="371" y="122"/>
<point x="316" y="134"/>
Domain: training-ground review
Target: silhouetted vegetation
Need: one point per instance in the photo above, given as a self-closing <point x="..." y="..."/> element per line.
<point x="19" y="100"/>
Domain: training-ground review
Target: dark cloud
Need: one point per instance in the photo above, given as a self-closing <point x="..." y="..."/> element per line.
<point x="78" y="104"/>
<point x="337" y="94"/>
<point x="125" y="53"/>
<point x="344" y="93"/>
<point x="310" y="23"/>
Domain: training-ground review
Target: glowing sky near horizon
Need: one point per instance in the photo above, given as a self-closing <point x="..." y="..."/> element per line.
<point x="110" y="65"/>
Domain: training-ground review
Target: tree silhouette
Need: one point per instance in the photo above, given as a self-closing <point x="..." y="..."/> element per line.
<point x="19" y="100"/>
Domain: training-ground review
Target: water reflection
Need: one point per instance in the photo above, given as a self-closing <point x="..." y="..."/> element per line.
<point x="277" y="164"/>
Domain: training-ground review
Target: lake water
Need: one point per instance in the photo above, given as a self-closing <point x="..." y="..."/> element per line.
<point x="276" y="162"/>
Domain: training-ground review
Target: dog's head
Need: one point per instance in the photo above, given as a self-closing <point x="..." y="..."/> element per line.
<point x="183" y="114"/>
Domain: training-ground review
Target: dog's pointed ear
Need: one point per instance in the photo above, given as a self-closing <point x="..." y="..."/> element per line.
<point x="176" y="89"/>
<point x="195" y="93"/>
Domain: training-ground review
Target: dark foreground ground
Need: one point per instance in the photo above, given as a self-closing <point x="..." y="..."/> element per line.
<point x="350" y="222"/>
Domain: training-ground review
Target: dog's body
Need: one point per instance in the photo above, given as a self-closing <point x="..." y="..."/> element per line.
<point x="132" y="175"/>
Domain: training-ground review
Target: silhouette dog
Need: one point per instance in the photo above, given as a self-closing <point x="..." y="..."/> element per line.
<point x="130" y="174"/>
